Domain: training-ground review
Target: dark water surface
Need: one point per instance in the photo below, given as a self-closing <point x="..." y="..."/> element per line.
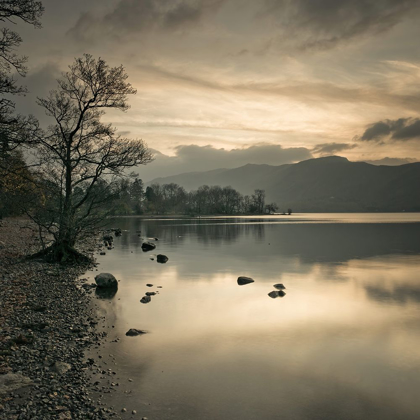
<point x="344" y="343"/>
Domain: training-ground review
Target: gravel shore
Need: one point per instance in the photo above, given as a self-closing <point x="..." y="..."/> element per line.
<point x="48" y="322"/>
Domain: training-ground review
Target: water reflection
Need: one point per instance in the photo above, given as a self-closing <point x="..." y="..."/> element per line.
<point x="400" y="294"/>
<point x="341" y="345"/>
<point x="105" y="292"/>
<point x="312" y="242"/>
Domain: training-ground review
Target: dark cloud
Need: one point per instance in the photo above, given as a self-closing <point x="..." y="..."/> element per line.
<point x="409" y="130"/>
<point x="138" y="16"/>
<point x="397" y="130"/>
<point x="325" y="149"/>
<point x="376" y="131"/>
<point x="190" y="158"/>
<point x="323" y="24"/>
<point x="387" y="161"/>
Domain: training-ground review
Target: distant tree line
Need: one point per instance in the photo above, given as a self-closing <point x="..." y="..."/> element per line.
<point x="159" y="199"/>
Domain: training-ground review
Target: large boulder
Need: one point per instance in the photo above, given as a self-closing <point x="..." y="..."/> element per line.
<point x="148" y="246"/>
<point x="160" y="258"/>
<point x="244" y="280"/>
<point x="106" y="280"/>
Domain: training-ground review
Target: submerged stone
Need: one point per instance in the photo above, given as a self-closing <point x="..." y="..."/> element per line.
<point x="279" y="286"/>
<point x="276" y="293"/>
<point x="132" y="332"/>
<point x="145" y="299"/>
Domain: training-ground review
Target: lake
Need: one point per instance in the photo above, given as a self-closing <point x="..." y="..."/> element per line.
<point x="343" y="343"/>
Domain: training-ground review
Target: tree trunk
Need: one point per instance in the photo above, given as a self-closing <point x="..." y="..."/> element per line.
<point x="62" y="250"/>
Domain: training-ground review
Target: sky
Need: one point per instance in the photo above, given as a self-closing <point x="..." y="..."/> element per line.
<point x="222" y="83"/>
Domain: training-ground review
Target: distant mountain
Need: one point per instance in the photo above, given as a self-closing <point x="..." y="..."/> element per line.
<point x="330" y="184"/>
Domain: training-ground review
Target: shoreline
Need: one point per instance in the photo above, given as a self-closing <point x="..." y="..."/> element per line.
<point x="48" y="325"/>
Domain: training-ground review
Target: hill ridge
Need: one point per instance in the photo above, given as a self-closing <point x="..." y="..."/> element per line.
<point x="322" y="184"/>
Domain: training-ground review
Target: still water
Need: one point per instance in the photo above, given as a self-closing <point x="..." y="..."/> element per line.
<point x="343" y="343"/>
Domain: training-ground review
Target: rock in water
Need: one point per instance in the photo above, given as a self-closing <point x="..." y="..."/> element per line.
<point x="108" y="238"/>
<point x="132" y="332"/>
<point x="276" y="293"/>
<point x="147" y="246"/>
<point x="244" y="280"/>
<point x="145" y="299"/>
<point x="12" y="381"/>
<point x="61" y="367"/>
<point x="160" y="258"/>
<point x="106" y="280"/>
<point x="279" y="286"/>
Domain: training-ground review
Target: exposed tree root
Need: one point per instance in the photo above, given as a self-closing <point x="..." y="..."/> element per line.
<point x="61" y="253"/>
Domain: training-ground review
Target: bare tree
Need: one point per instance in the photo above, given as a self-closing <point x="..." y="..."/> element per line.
<point x="14" y="129"/>
<point x="78" y="152"/>
<point x="30" y="12"/>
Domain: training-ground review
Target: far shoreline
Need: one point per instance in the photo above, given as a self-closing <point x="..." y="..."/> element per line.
<point x="185" y="216"/>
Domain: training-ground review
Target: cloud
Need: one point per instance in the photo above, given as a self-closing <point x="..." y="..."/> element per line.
<point x="387" y="161"/>
<point x="191" y="158"/>
<point x="396" y="130"/>
<point x="316" y="93"/>
<point x="326" y="149"/>
<point x="139" y="16"/>
<point x="376" y="131"/>
<point x="39" y="82"/>
<point x="323" y="24"/>
<point x="410" y="130"/>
